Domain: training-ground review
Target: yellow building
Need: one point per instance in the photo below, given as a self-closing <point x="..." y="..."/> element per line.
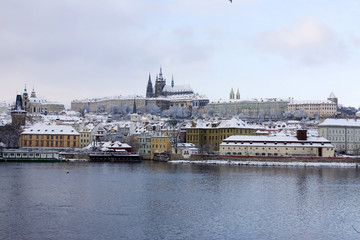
<point x="214" y="133"/>
<point x="50" y="136"/>
<point x="160" y="144"/>
<point x="323" y="109"/>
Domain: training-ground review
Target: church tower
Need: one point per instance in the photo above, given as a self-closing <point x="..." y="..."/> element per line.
<point x="18" y="114"/>
<point x="238" y="94"/>
<point x="25" y="99"/>
<point x="232" y="94"/>
<point x="159" y="84"/>
<point x="333" y="98"/>
<point x="33" y="94"/>
<point x="172" y="81"/>
<point x="149" y="88"/>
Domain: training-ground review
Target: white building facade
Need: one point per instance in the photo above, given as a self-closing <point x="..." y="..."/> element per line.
<point x="344" y="134"/>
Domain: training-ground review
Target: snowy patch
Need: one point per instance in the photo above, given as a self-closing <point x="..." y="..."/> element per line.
<point x="271" y="164"/>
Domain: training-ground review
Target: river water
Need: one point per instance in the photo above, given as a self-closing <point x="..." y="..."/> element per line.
<point x="177" y="201"/>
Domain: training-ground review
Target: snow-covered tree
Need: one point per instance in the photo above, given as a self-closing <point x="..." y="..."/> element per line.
<point x="153" y="109"/>
<point x="300" y="114"/>
<point x="273" y="114"/>
<point x="223" y="112"/>
<point x="261" y="115"/>
<point x="211" y="112"/>
<point x="100" y="108"/>
<point x="84" y="110"/>
<point x="125" y="109"/>
<point x="113" y="109"/>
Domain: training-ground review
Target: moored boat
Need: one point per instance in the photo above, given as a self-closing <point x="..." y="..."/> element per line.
<point x="25" y="155"/>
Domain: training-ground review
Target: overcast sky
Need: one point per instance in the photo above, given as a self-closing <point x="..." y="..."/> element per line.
<point x="69" y="49"/>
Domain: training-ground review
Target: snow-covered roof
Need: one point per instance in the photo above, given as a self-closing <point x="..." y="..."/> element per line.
<point x="47" y="129"/>
<point x="273" y="139"/>
<point x="116" y="144"/>
<point x="177" y="88"/>
<point x="131" y="97"/>
<point x="232" y="123"/>
<point x="250" y="100"/>
<point x="340" y="122"/>
<point x="302" y="102"/>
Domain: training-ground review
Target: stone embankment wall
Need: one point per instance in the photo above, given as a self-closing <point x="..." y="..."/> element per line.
<point x="273" y="159"/>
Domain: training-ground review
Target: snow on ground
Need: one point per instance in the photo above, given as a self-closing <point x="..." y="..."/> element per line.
<point x="272" y="164"/>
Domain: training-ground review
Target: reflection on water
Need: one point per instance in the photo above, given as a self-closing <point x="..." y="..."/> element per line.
<point x="177" y="201"/>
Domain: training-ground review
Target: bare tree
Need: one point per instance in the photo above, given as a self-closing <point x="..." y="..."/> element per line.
<point x="10" y="135"/>
<point x="133" y="141"/>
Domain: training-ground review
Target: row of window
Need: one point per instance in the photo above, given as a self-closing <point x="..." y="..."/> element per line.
<point x="48" y="137"/>
<point x="158" y="146"/>
<point x="42" y="143"/>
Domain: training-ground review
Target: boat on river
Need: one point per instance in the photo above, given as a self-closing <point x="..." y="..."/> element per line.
<point x="161" y="157"/>
<point x="29" y="155"/>
<point x="115" y="156"/>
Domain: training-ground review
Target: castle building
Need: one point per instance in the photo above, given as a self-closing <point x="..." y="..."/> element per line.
<point x="322" y="108"/>
<point x="252" y="108"/>
<point x="163" y="90"/>
<point x="333" y="98"/>
<point x="160" y="94"/>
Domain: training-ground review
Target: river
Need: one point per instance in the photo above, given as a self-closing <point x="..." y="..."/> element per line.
<point x="177" y="201"/>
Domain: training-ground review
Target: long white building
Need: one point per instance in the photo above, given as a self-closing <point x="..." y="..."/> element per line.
<point x="285" y="146"/>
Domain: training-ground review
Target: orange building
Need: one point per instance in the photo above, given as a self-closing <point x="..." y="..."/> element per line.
<point x="50" y="136"/>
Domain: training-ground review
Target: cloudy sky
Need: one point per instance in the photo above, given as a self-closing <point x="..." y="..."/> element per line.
<point x="69" y="50"/>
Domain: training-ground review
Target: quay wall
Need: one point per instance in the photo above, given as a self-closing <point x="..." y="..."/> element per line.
<point x="273" y="159"/>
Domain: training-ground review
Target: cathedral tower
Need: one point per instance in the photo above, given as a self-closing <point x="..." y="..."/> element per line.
<point x="237" y="94"/>
<point x="232" y="94"/>
<point x="149" y="88"/>
<point x="159" y="84"/>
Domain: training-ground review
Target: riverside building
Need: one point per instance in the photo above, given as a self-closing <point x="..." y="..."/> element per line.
<point x="344" y="134"/>
<point x="282" y="146"/>
<point x="203" y="133"/>
<point x="49" y="136"/>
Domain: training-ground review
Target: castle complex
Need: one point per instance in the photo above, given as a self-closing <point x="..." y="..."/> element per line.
<point x="160" y="94"/>
<point x="161" y="89"/>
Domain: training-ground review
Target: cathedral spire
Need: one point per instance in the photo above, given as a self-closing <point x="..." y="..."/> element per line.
<point x="33" y="94"/>
<point x="172" y="81"/>
<point x="232" y="94"/>
<point x="149" y="88"/>
<point x="134" y="106"/>
<point x="237" y="94"/>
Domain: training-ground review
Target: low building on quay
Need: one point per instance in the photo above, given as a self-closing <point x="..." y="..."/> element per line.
<point x="281" y="146"/>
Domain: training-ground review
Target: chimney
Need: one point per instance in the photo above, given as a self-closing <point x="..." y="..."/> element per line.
<point x="301" y="135"/>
